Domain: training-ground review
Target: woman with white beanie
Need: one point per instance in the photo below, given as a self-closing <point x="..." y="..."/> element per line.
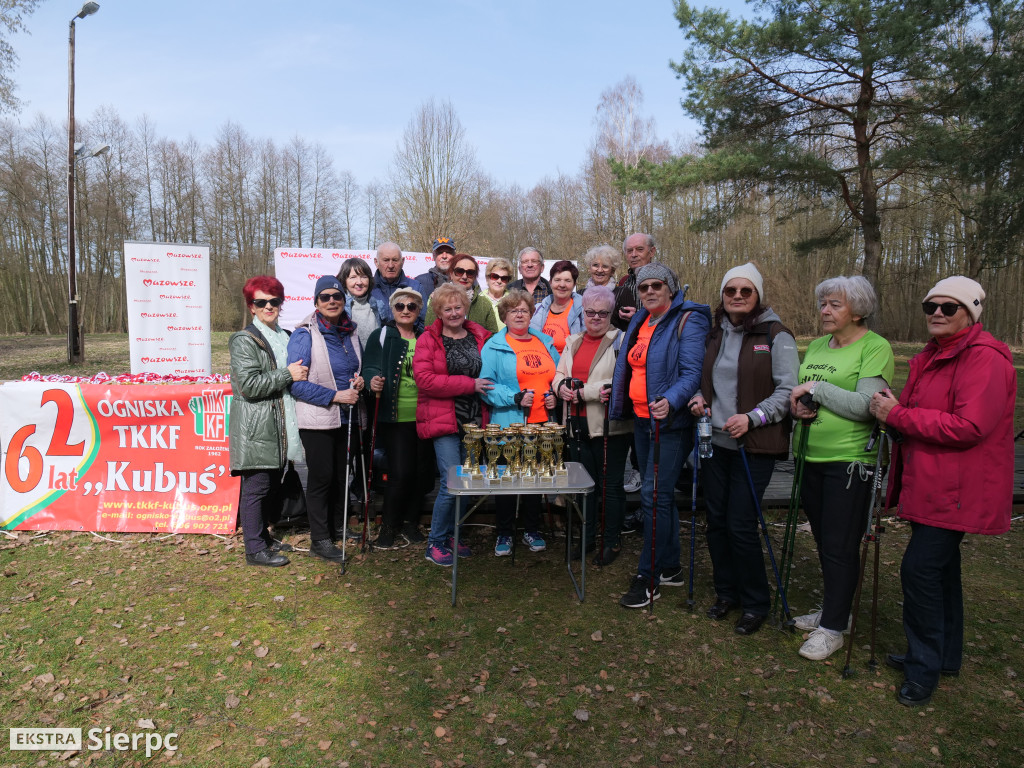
<point x="952" y="473"/>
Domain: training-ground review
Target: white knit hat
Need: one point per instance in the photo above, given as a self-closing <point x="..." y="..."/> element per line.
<point x="748" y="272"/>
<point x="963" y="289"/>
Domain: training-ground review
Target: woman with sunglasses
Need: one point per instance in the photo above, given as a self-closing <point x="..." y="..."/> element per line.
<point x="840" y="373"/>
<point x="446" y="367"/>
<point x="520" y="361"/>
<point x="326" y="338"/>
<point x="750" y="365"/>
<point x="584" y="369"/>
<point x="463" y="274"/>
<point x="387" y="365"/>
<point x="655" y="376"/>
<point x="561" y="314"/>
<point x="264" y="431"/>
<point x="499" y="275"/>
<point x="952" y="473"/>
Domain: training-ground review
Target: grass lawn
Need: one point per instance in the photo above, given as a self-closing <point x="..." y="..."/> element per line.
<point x="305" y="666"/>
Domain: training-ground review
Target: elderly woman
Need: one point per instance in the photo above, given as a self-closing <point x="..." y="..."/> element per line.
<point x="499" y="275"/>
<point x="840" y="373"/>
<point x="952" y="473"/>
<point x="584" y="369"/>
<point x="655" y="376"/>
<point x="387" y="365"/>
<point x="264" y="432"/>
<point x="750" y="366"/>
<point x="446" y="367"/>
<point x="561" y="314"/>
<point x="521" y="363"/>
<point x="463" y="274"/>
<point x="326" y="339"/>
<point x="602" y="262"/>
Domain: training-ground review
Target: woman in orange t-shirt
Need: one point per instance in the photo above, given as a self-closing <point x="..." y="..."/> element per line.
<point x="561" y="314"/>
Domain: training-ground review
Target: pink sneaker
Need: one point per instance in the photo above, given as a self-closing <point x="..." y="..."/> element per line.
<point x="464" y="550"/>
<point x="439" y="555"/>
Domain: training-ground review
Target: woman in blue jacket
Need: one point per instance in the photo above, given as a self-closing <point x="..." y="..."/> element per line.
<point x="653" y="381"/>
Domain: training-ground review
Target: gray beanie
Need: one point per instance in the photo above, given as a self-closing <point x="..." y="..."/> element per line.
<point x="748" y="272"/>
<point x="963" y="289"/>
<point x="658" y="272"/>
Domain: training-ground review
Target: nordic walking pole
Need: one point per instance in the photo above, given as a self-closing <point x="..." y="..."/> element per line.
<point x="348" y="470"/>
<point x="876" y="485"/>
<point x="764" y="530"/>
<point x="690" y="602"/>
<point x="604" y="478"/>
<point x="789" y="535"/>
<point x="654" y="506"/>
<point x="368" y="478"/>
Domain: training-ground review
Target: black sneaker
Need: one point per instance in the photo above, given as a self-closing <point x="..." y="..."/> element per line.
<point x="412" y="532"/>
<point x="639" y="594"/>
<point x="385" y="539"/>
<point x="325" y="550"/>
<point x="633" y="523"/>
<point x="677" y="579"/>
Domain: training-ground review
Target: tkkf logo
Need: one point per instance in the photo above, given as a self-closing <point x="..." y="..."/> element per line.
<point x="211" y="412"/>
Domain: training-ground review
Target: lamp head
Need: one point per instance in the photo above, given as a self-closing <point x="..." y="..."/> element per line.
<point x="88" y="10"/>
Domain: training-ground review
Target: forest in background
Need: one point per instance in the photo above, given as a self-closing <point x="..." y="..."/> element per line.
<point x="954" y="211"/>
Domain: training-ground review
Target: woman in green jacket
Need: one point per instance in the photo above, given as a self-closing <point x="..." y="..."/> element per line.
<point x="387" y="365"/>
<point x="464" y="273"/>
<point x="263" y="431"/>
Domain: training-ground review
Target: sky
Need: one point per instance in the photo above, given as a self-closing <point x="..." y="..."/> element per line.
<point x="524" y="76"/>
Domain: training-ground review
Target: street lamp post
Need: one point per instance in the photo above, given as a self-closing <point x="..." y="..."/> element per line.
<point x="75" y="352"/>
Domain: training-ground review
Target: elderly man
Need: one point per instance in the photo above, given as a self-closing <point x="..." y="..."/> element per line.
<point x="639" y="250"/>
<point x="443" y="252"/>
<point x="389" y="277"/>
<point x="531" y="264"/>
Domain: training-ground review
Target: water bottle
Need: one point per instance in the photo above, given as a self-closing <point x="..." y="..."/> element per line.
<point x="704" y="448"/>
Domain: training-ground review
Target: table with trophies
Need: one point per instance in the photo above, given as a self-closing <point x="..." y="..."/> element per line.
<point x="533" y="464"/>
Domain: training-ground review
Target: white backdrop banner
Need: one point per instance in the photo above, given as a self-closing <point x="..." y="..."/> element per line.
<point x="168" y="292"/>
<point x="298" y="269"/>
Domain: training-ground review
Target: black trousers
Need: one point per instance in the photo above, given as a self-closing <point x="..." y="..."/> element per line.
<point x="933" y="603"/>
<point x="838" y="516"/>
<point x="589" y="451"/>
<point x="410" y="472"/>
<point x="259" y="503"/>
<point x="326" y="456"/>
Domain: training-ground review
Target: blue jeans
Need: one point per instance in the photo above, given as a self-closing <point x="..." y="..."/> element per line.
<point x="450" y="451"/>
<point x="933" y="603"/>
<point x="675" y="444"/>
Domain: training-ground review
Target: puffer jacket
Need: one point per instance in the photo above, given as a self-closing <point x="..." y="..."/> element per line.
<point x="257" y="435"/>
<point x="674" y="361"/>
<point x="435" y="406"/>
<point x="600" y="375"/>
<point x="953" y="468"/>
<point x="500" y="366"/>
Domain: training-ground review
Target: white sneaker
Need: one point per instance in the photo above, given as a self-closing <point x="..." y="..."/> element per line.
<point x="632" y="481"/>
<point x="808" y="622"/>
<point x="821" y="644"/>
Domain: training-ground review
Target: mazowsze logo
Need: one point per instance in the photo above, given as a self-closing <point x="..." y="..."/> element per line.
<point x="175" y="359"/>
<point x="172" y="255"/>
<point x="175" y="283"/>
<point x="179" y="298"/>
<point x="184" y="327"/>
<point x="293" y="255"/>
<point x="168" y="315"/>
<point x="149" y="338"/>
<point x="155" y="261"/>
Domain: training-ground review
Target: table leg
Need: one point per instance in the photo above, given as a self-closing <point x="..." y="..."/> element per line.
<point x="455" y="550"/>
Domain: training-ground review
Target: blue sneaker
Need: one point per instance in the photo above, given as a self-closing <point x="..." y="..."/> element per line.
<point x="533" y="540"/>
<point x="503" y="547"/>
<point x="439" y="555"/>
<point x="464" y="550"/>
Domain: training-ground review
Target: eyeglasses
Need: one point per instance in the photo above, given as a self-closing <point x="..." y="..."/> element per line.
<point x="518" y="311"/>
<point x="653" y="285"/>
<point x="745" y="292"/>
<point x="401" y="306"/>
<point x="326" y="297"/>
<point x="261" y="303"/>
<point x="503" y="278"/>
<point x="592" y="313"/>
<point x="461" y="272"/>
<point x="948" y="308"/>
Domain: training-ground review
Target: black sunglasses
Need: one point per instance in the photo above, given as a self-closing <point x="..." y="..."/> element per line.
<point x="261" y="303"/>
<point x="948" y="308"/>
<point x="401" y="306"/>
<point x="460" y="271"/>
<point x="745" y="292"/>
<point x="503" y="278"/>
<point x="653" y="285"/>
<point x="333" y="296"/>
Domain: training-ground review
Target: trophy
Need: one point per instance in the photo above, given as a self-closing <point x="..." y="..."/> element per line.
<point x="558" y="438"/>
<point x="492" y="439"/>
<point x="514" y="438"/>
<point x="547" y="449"/>
<point x="471" y="439"/>
<point x="529" y="460"/>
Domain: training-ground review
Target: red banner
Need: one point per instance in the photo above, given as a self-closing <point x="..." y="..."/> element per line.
<point x="97" y="457"/>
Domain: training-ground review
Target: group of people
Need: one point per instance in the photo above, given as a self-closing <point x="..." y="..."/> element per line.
<point x="630" y="365"/>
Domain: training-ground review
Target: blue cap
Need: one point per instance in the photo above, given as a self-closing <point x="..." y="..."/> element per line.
<point x="326" y="283"/>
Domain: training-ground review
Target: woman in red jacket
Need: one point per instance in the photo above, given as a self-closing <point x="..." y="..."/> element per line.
<point x="952" y="473"/>
<point x="446" y="367"/>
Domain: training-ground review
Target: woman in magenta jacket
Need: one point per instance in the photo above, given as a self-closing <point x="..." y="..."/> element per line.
<point x="952" y="473"/>
<point x="446" y="366"/>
